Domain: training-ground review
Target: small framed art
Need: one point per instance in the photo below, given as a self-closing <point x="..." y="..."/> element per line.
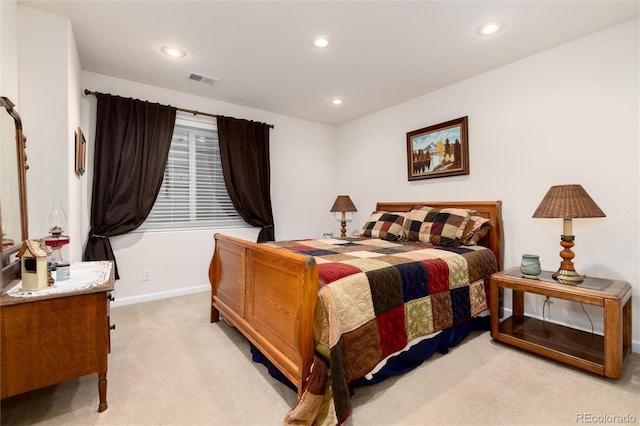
<point x="81" y="152"/>
<point x="439" y="150"/>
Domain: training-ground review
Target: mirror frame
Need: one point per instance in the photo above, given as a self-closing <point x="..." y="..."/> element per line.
<point x="12" y="269"/>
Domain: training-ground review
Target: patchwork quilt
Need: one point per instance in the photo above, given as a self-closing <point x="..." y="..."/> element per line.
<point x="377" y="296"/>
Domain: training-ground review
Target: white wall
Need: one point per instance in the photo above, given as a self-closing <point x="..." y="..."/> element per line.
<point x="49" y="71"/>
<point x="74" y="189"/>
<point x="567" y="115"/>
<point x="9" y="49"/>
<point x="302" y="190"/>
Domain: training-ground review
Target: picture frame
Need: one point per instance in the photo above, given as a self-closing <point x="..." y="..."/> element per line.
<point x="81" y="152"/>
<point x="439" y="150"/>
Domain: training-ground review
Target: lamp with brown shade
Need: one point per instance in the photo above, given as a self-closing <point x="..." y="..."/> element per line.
<point x="343" y="204"/>
<point x="567" y="202"/>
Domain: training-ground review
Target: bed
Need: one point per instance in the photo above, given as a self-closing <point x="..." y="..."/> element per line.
<point x="289" y="298"/>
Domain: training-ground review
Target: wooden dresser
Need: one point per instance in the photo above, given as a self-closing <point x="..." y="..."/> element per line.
<point x="51" y="338"/>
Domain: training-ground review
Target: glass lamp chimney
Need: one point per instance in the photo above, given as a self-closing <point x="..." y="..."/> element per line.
<point x="57" y="219"/>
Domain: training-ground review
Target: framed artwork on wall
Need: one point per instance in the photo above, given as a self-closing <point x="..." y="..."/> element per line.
<point x="439" y="150"/>
<point x="81" y="152"/>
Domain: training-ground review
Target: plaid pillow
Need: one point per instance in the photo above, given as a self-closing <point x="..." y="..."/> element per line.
<point x="476" y="229"/>
<point x="384" y="225"/>
<point x="442" y="227"/>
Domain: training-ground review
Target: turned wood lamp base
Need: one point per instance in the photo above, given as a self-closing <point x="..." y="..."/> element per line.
<point x="343" y="230"/>
<point x="567" y="274"/>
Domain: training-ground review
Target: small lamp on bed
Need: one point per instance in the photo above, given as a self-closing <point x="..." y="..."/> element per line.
<point x="567" y="202"/>
<point x="343" y="204"/>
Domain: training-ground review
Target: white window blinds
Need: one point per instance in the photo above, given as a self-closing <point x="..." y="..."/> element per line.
<point x="193" y="193"/>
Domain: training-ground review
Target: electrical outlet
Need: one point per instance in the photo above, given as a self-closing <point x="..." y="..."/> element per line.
<point x="146" y="275"/>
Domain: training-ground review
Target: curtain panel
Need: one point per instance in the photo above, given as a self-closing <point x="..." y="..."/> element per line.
<point x="131" y="149"/>
<point x="244" y="154"/>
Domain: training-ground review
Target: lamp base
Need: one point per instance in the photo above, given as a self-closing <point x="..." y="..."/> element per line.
<point x="568" y="277"/>
<point x="56" y="242"/>
<point x="567" y="273"/>
<point x="343" y="229"/>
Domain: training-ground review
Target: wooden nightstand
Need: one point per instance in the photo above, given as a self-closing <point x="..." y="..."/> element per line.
<point x="602" y="355"/>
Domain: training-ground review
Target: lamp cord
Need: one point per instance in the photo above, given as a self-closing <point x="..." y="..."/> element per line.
<point x="588" y="317"/>
<point x="547" y="301"/>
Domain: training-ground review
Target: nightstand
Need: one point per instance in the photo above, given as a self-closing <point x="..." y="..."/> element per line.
<point x="602" y="355"/>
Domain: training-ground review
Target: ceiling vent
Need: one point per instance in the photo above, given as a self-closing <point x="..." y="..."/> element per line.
<point x="202" y="78"/>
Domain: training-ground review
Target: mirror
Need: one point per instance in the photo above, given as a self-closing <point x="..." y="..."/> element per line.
<point x="13" y="190"/>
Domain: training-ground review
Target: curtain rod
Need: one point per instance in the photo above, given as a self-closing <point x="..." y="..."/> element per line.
<point x="190" y="111"/>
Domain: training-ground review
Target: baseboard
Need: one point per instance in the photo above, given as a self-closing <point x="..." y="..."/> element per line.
<point x="160" y="295"/>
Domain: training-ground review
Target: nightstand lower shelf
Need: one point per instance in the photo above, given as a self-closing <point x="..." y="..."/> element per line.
<point x="554" y="341"/>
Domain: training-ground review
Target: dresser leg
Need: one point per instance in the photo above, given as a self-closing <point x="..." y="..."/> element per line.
<point x="102" y="391"/>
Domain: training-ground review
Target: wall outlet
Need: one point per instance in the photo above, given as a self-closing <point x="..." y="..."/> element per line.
<point x="146" y="275"/>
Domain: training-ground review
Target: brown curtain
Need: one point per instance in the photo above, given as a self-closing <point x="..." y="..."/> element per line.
<point x="244" y="153"/>
<point x="131" y="149"/>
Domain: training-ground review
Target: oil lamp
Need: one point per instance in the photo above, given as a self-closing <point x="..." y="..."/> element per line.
<point x="57" y="220"/>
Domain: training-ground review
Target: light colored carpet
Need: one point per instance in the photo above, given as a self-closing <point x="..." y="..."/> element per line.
<point x="170" y="366"/>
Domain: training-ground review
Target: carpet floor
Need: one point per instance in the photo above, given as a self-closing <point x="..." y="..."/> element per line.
<point x="169" y="366"/>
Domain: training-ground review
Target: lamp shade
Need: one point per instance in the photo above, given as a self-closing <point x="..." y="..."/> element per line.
<point x="343" y="204"/>
<point x="567" y="201"/>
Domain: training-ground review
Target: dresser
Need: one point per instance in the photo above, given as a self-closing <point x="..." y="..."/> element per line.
<point x="57" y="334"/>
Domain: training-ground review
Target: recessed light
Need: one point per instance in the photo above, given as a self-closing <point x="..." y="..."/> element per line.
<point x="337" y="101"/>
<point x="491" y="27"/>
<point x="174" y="52"/>
<point x="321" y="42"/>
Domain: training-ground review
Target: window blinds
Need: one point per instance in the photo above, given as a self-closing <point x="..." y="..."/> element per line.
<point x="193" y="193"/>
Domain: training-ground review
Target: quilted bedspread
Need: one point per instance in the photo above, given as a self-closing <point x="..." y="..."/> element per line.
<point x="377" y="296"/>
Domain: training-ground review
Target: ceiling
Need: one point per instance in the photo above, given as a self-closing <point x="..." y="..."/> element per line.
<point x="380" y="53"/>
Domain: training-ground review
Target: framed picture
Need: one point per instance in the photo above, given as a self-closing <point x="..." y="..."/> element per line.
<point x="81" y="152"/>
<point x="439" y="150"/>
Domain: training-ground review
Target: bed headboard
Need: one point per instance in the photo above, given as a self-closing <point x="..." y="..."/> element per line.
<point x="487" y="209"/>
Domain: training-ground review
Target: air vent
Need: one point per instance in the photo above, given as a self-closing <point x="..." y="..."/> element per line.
<point x="202" y="78"/>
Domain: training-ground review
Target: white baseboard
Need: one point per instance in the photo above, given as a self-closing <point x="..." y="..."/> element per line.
<point x="160" y="295"/>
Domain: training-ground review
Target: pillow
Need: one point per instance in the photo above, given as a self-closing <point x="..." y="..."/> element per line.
<point x="384" y="225"/>
<point x="442" y="227"/>
<point x="476" y="229"/>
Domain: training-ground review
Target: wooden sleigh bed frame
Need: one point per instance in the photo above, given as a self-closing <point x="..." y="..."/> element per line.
<point x="269" y="294"/>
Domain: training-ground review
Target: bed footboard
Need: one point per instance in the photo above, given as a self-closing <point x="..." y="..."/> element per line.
<point x="269" y="295"/>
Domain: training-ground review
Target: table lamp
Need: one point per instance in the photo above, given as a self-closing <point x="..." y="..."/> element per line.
<point x="343" y="204"/>
<point x="567" y="202"/>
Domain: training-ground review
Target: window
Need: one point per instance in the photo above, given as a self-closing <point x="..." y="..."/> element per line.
<point x="193" y="193"/>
